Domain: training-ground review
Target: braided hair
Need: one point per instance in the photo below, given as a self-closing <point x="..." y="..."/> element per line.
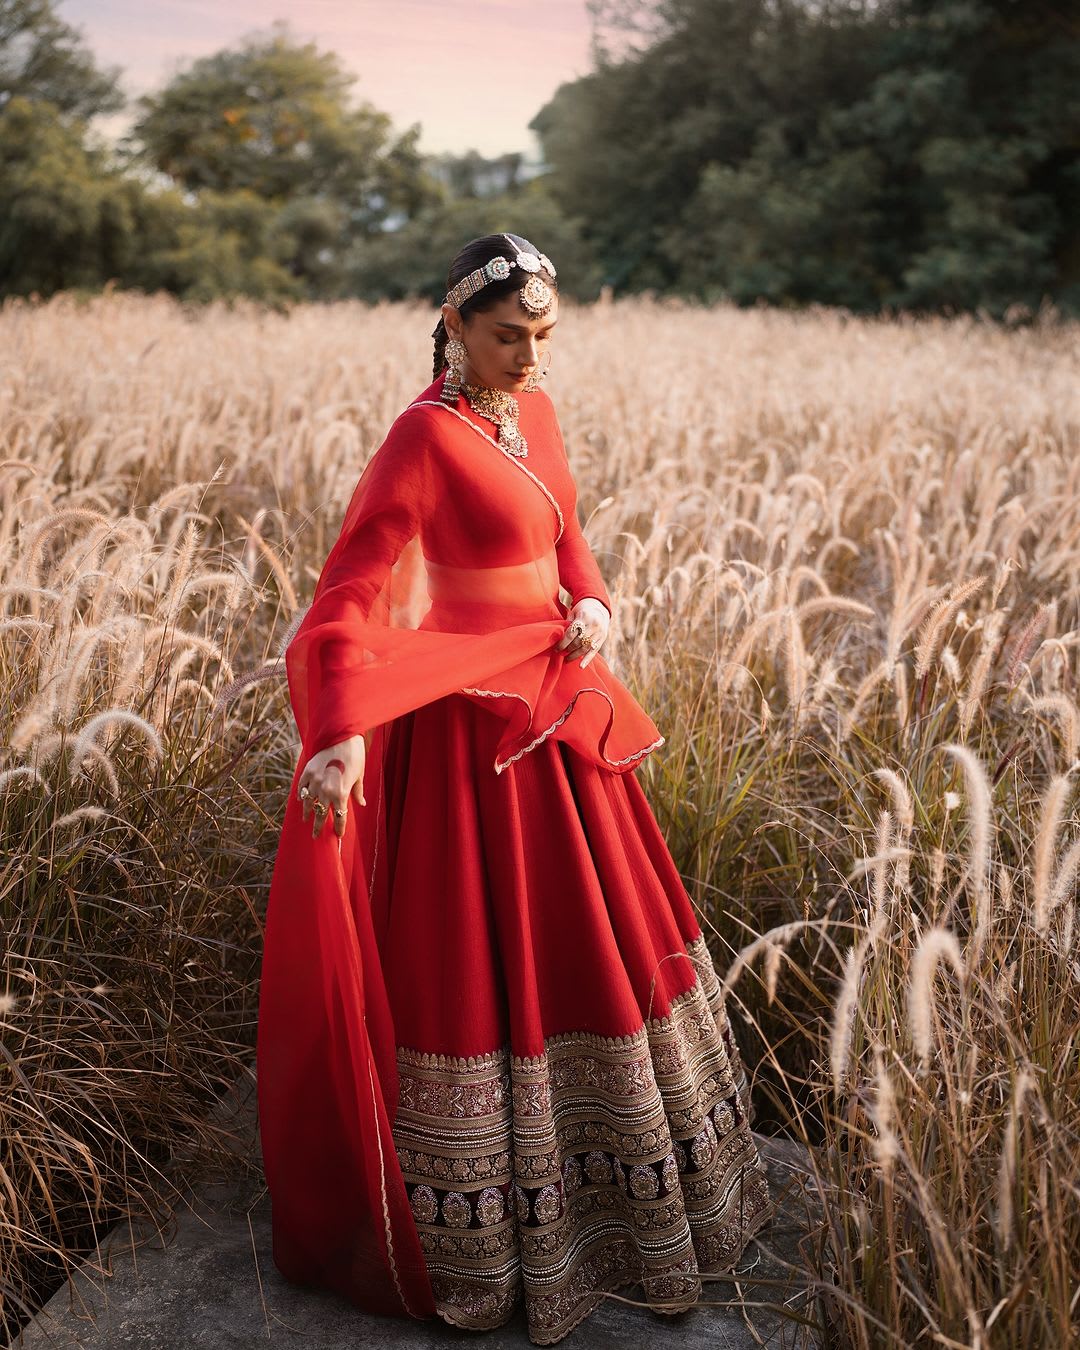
<point x="475" y="254"/>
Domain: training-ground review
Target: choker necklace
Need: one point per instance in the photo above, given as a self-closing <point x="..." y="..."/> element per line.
<point x="501" y="408"/>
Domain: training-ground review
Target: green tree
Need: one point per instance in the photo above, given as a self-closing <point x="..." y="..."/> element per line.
<point x="66" y="216"/>
<point x="412" y="261"/>
<point x="475" y="175"/>
<point x="977" y="112"/>
<point x="275" y="117"/>
<point x="902" y="153"/>
<point x="628" y="144"/>
<point x="45" y="60"/>
<point x="225" y="244"/>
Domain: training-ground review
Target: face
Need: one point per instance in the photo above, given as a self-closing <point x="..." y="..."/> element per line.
<point x="505" y="343"/>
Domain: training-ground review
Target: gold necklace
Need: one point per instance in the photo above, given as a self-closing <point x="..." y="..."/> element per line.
<point x="499" y="407"/>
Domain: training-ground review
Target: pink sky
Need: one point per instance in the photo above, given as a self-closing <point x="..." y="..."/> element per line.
<point x="471" y="72"/>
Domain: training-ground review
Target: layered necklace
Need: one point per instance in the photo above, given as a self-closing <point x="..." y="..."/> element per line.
<point x="499" y="407"/>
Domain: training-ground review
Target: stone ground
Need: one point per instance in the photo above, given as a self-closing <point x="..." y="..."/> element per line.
<point x="210" y="1281"/>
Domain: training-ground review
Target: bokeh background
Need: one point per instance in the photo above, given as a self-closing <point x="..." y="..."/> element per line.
<point x="872" y="154"/>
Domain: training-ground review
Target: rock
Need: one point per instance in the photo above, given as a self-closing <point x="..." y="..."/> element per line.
<point x="211" y="1282"/>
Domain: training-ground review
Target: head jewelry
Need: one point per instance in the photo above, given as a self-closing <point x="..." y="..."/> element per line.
<point x="535" y="296"/>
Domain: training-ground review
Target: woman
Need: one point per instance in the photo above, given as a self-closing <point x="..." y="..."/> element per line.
<point x="493" y="1063"/>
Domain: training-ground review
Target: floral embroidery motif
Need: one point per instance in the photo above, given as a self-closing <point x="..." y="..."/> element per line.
<point x="424" y="1205"/>
<point x="456" y="1210"/>
<point x="602" y="1162"/>
<point x="491" y="1206"/>
<point x="547" y="1205"/>
<point x="644" y="1182"/>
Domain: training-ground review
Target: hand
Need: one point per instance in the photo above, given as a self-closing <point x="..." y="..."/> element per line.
<point x="593" y="615"/>
<point x="332" y="777"/>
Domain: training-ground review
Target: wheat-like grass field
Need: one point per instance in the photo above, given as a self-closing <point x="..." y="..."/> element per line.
<point x="845" y="556"/>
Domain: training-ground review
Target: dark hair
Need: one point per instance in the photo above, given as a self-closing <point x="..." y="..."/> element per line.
<point x="475" y="254"/>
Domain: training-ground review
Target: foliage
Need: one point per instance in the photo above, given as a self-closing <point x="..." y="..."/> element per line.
<point x="43" y="58"/>
<point x="274" y="117"/>
<point x="872" y="154"/>
<point x="413" y="260"/>
<point x="66" y="217"/>
<point x="903" y="154"/>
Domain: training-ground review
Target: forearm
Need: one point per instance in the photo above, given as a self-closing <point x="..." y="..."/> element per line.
<point x="578" y="569"/>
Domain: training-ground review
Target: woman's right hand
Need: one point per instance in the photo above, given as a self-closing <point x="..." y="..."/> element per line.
<point x="331" y="777"/>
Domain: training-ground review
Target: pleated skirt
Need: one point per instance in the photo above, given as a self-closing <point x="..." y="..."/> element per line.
<point x="573" y="1116"/>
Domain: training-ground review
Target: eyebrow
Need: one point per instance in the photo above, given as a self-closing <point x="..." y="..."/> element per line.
<point x="522" y="327"/>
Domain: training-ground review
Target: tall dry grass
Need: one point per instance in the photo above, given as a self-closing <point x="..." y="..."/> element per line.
<point x="844" y="555"/>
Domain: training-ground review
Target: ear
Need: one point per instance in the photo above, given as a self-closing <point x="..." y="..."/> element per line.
<point x="452" y="321"/>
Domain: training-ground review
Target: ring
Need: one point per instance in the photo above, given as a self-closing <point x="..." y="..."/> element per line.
<point x="305" y="793"/>
<point x="341" y="812"/>
<point x="321" y="807"/>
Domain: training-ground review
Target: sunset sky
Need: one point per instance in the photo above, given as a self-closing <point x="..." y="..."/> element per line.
<point x="471" y="72"/>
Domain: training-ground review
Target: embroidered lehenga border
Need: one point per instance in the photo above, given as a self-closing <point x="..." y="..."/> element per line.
<point x="602" y="1162"/>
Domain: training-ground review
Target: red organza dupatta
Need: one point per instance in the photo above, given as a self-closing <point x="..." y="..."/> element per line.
<point x="413" y="603"/>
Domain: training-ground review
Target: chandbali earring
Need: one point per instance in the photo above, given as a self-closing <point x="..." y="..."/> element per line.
<point x="536" y="378"/>
<point x="455" y="355"/>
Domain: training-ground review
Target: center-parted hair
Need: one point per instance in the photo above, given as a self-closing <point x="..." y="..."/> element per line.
<point x="475" y="254"/>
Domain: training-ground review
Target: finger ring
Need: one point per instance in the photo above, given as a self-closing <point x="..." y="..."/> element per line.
<point x="576" y="630"/>
<point x="321" y="808"/>
<point x="305" y="792"/>
<point x="341" y="812"/>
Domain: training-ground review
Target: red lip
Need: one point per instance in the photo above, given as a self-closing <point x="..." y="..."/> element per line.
<point x="514" y="376"/>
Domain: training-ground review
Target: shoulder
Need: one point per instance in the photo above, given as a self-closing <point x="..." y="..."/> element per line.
<point x="418" y="415"/>
<point x="429" y="421"/>
<point x="538" y="409"/>
<point x="542" y="409"/>
<point x="425" y="436"/>
<point x="541" y="400"/>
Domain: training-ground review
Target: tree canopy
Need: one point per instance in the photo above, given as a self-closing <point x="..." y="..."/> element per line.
<point x="875" y="154"/>
<point x="905" y="153"/>
<point x="44" y="59"/>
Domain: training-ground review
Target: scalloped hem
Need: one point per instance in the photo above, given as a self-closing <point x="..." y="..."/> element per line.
<point x="500" y="765"/>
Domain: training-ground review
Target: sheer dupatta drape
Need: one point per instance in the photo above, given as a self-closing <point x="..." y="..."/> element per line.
<point x="444" y="578"/>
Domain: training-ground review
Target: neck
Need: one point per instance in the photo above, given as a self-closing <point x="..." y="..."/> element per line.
<point x="486" y="391"/>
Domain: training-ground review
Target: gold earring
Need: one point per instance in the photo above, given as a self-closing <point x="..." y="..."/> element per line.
<point x="454" y="354"/>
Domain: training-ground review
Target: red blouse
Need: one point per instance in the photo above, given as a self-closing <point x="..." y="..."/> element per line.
<point x="445" y="577"/>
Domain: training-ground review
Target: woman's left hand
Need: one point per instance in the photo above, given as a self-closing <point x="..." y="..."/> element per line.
<point x="593" y="616"/>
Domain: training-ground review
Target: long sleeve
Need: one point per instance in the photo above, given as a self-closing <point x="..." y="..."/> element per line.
<point x="578" y="569"/>
<point x="360" y="586"/>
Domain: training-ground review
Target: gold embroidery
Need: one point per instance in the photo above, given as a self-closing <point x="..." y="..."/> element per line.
<point x="602" y="1162"/>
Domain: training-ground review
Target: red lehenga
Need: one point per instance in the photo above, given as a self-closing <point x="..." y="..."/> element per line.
<point x="493" y="1061"/>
